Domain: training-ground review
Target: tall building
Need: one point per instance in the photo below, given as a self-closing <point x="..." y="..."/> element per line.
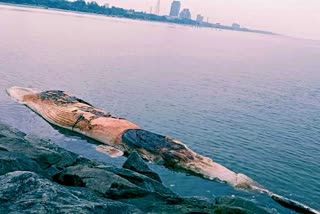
<point x="157" y="12"/>
<point x="235" y="26"/>
<point x="185" y="14"/>
<point x="175" y="8"/>
<point x="199" y="18"/>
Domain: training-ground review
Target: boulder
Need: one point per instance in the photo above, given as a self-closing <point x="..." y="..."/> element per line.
<point x="12" y="161"/>
<point x="103" y="182"/>
<point x="48" y="157"/>
<point x="154" y="204"/>
<point x="27" y="192"/>
<point x="32" y="171"/>
<point x="137" y="164"/>
<point x="43" y="156"/>
<point x="248" y="206"/>
<point x="144" y="182"/>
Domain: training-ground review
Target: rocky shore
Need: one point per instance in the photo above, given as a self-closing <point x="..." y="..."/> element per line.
<point x="36" y="176"/>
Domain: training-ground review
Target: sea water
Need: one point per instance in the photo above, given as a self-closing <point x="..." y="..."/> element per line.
<point x="251" y="102"/>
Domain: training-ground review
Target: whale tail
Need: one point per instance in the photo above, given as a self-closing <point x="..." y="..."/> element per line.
<point x="18" y="93"/>
<point x="213" y="171"/>
<point x="287" y="202"/>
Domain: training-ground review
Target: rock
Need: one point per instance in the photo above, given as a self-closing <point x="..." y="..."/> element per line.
<point x="6" y="131"/>
<point x="105" y="183"/>
<point x="11" y="161"/>
<point x="152" y="204"/>
<point x="43" y="156"/>
<point x="240" y="203"/>
<point x="26" y="192"/>
<point x="148" y="184"/>
<point x="135" y="163"/>
<point x="178" y="205"/>
<point x="49" y="157"/>
<point x="90" y="187"/>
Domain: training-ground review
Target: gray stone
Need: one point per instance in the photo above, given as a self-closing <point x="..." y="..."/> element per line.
<point x="241" y="203"/>
<point x="142" y="181"/>
<point x="137" y="164"/>
<point x="44" y="156"/>
<point x="11" y="161"/>
<point x="89" y="186"/>
<point x="105" y="183"/>
<point x="26" y="192"/>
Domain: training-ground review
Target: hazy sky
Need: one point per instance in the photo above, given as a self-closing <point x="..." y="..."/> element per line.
<point x="298" y="18"/>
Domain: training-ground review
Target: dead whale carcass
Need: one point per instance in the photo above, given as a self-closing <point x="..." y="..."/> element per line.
<point x="64" y="110"/>
<point x="122" y="136"/>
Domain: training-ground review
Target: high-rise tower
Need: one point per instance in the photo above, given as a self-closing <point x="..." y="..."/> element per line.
<point x="175" y="8"/>
<point x="185" y="14"/>
<point x="157" y="12"/>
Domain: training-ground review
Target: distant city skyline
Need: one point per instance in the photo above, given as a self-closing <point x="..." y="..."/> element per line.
<point x="295" y="18"/>
<point x="185" y="14"/>
<point x="175" y="8"/>
<point x="157" y="10"/>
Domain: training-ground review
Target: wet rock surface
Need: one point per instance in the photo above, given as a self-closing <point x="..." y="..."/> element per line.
<point x="27" y="192"/>
<point x="38" y="177"/>
<point x="137" y="164"/>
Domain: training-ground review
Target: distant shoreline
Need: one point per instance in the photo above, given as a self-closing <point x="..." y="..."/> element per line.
<point x="27" y="6"/>
<point x="132" y="15"/>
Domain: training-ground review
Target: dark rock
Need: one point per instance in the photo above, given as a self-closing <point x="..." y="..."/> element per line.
<point x="177" y="205"/>
<point x="105" y="183"/>
<point x="135" y="163"/>
<point x="142" y="181"/>
<point x="68" y="158"/>
<point x="224" y="209"/>
<point x="26" y="192"/>
<point x="89" y="186"/>
<point x="237" y="202"/>
<point x="3" y="149"/>
<point x="155" y="204"/>
<point x="11" y="161"/>
<point x="6" y="131"/>
<point x="49" y="157"/>
<point x="43" y="156"/>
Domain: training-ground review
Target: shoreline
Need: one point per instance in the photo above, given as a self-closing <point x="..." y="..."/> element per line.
<point x="85" y="14"/>
<point x="217" y="28"/>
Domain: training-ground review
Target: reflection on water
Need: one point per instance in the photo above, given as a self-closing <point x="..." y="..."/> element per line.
<point x="251" y="102"/>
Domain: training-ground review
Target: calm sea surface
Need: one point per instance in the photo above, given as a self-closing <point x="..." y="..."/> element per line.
<point x="250" y="102"/>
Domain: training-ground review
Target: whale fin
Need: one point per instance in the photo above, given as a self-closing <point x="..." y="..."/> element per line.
<point x="109" y="150"/>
